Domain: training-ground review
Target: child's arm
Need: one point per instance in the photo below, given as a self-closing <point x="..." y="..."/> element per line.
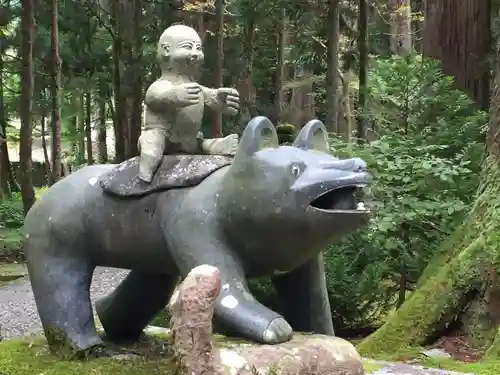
<point x="225" y="100"/>
<point x="163" y="93"/>
<point x="159" y="94"/>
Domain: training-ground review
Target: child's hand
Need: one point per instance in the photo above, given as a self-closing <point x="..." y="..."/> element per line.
<point x="230" y="98"/>
<point x="187" y="94"/>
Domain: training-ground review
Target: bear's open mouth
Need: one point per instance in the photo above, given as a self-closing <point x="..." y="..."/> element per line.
<point x="345" y="198"/>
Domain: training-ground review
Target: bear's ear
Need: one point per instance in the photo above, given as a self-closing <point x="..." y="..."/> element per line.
<point x="313" y="136"/>
<point x="258" y="134"/>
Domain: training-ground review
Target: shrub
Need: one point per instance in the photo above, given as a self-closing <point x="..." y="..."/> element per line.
<point x="11" y="212"/>
<point x="425" y="155"/>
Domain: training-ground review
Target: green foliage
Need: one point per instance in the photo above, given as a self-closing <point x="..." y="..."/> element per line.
<point x="425" y="157"/>
<point x="286" y="133"/>
<point x="415" y="201"/>
<point x="425" y="160"/>
<point x="11" y="212"/>
<point x="410" y="96"/>
<point x="425" y="150"/>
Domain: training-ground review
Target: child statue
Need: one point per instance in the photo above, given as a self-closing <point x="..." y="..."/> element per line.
<point x="175" y="103"/>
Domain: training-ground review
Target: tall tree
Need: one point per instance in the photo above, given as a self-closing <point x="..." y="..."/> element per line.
<point x="102" y="132"/>
<point x="126" y="33"/>
<point x="245" y="80"/>
<point x="457" y="32"/>
<point x="400" y="26"/>
<point x="363" y="68"/>
<point x="27" y="84"/>
<point x="137" y="97"/>
<point x="333" y="34"/>
<point x="119" y="119"/>
<point x="461" y="284"/>
<point x="279" y="77"/>
<point x="80" y="127"/>
<point x="219" y="64"/>
<point x="88" y="126"/>
<point x="4" y="172"/>
<point x="55" y="93"/>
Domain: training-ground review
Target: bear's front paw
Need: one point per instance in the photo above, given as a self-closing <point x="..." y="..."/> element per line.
<point x="277" y="331"/>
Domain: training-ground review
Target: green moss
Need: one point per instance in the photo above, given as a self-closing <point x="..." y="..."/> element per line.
<point x="443" y="256"/>
<point x="30" y="356"/>
<point x="493" y="351"/>
<point x="469" y="261"/>
<point x="478" y="324"/>
<point x="426" y="310"/>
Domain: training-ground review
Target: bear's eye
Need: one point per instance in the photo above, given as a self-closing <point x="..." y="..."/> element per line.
<point x="295" y="170"/>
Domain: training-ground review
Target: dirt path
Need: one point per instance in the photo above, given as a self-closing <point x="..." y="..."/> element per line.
<point x="18" y="314"/>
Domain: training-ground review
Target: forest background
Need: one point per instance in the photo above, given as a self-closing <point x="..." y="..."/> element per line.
<point x="403" y="84"/>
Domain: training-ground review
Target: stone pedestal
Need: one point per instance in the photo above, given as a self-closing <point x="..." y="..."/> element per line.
<point x="192" y="308"/>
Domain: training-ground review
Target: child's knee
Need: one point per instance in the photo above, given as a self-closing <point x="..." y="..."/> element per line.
<point x="151" y="144"/>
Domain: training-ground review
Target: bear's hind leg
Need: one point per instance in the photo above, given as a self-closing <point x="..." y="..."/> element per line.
<point x="136" y="300"/>
<point x="61" y="287"/>
<point x="304" y="297"/>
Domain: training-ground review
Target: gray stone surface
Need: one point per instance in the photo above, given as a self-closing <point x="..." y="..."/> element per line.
<point x="436" y="353"/>
<point x="18" y="314"/>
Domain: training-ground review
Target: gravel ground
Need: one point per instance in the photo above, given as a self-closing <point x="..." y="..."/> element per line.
<point x="18" y="314"/>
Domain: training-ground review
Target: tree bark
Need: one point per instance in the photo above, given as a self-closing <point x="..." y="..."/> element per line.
<point x="219" y="64"/>
<point x="332" y="100"/>
<point x="279" y="78"/>
<point x="245" y="82"/>
<point x="88" y="127"/>
<point x="400" y="26"/>
<point x="417" y="24"/>
<point x="120" y="115"/>
<point x="457" y="32"/>
<point x="135" y="120"/>
<point x="8" y="178"/>
<point x="363" y="68"/>
<point x="101" y="135"/>
<point x="26" y="105"/>
<point x="55" y="92"/>
<point x="126" y="19"/>
<point x="4" y="172"/>
<point x="48" y="171"/>
<point x="462" y="283"/>
<point x="302" y="106"/>
<point x="81" y="129"/>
